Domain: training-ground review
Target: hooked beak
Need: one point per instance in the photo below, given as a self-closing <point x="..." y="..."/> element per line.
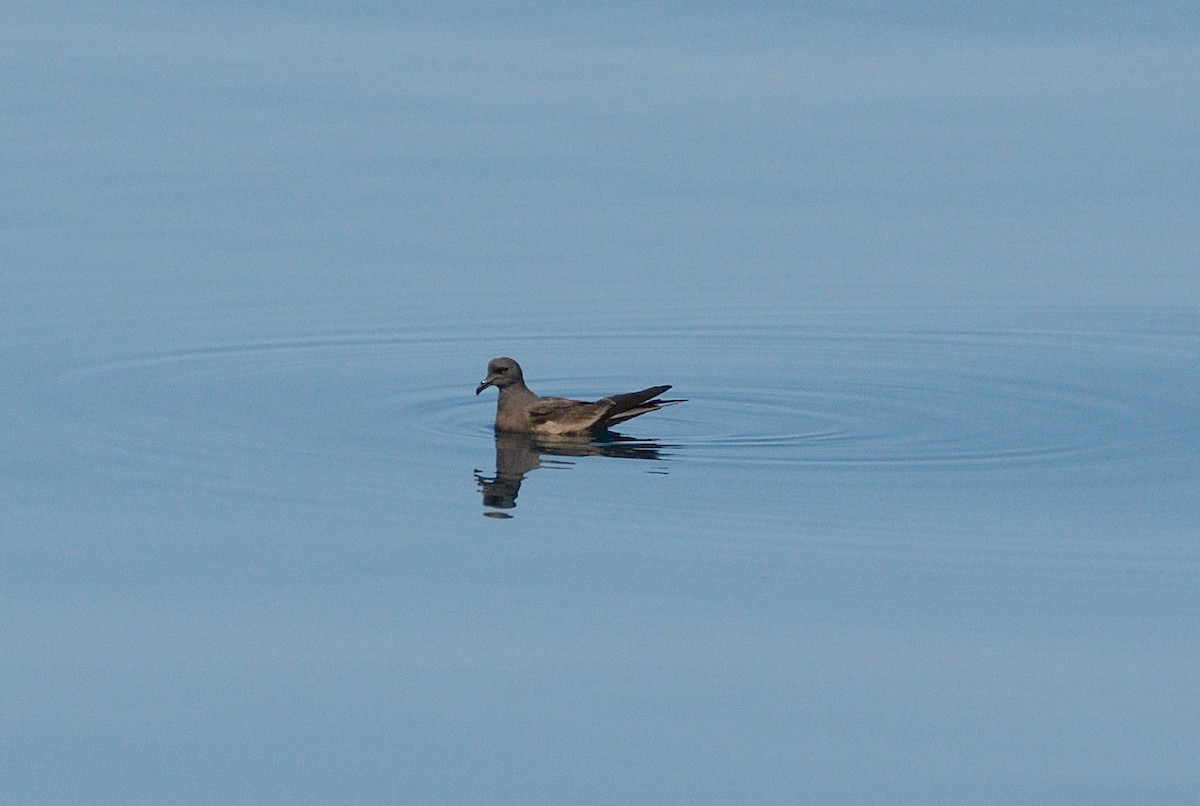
<point x="484" y="385"/>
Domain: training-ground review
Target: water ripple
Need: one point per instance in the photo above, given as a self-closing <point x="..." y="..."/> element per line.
<point x="959" y="421"/>
<point x="854" y="399"/>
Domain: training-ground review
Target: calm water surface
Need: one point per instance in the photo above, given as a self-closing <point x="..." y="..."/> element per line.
<point x="961" y="558"/>
<point x="925" y="530"/>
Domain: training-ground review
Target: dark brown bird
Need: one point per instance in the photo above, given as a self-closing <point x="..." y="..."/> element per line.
<point x="520" y="410"/>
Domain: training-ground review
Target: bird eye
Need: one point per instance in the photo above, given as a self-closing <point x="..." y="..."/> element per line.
<point x="502" y="369"/>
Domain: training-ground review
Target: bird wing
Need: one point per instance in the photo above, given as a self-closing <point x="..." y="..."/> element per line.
<point x="561" y="415"/>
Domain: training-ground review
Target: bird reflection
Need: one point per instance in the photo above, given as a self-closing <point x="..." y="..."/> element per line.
<point x="518" y="454"/>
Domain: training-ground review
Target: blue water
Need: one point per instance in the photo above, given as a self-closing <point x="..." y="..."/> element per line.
<point x="925" y="530"/>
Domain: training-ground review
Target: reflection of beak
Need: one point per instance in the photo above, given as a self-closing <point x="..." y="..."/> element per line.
<point x="484" y="385"/>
